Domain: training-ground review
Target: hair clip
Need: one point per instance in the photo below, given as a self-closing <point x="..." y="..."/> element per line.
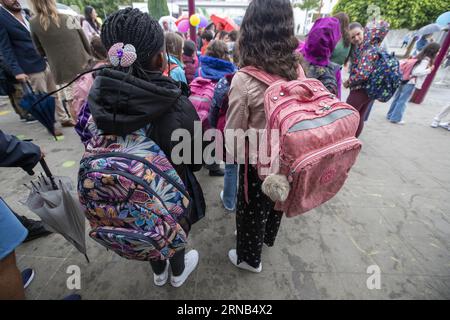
<point x="122" y="55"/>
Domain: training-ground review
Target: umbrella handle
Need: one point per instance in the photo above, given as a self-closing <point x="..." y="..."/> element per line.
<point x="48" y="173"/>
<point x="27" y="87"/>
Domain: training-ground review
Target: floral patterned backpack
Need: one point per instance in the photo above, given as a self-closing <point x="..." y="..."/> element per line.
<point x="385" y="78"/>
<point x="133" y="198"/>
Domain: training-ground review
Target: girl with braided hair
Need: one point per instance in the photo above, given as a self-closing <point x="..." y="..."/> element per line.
<point x="134" y="94"/>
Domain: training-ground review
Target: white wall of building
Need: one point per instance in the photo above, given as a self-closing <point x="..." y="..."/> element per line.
<point x="300" y="15"/>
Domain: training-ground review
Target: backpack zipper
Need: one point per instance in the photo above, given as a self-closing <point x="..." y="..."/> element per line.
<point x="145" y="161"/>
<point x="276" y="111"/>
<point x="129" y="235"/>
<point x="283" y="103"/>
<point x="314" y="155"/>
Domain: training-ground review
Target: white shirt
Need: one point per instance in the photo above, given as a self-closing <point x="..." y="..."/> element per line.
<point x="420" y="72"/>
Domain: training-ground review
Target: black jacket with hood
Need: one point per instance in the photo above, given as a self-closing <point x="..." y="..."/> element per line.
<point x="121" y="104"/>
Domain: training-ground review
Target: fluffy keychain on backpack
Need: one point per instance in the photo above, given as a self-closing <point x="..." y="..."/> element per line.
<point x="276" y="187"/>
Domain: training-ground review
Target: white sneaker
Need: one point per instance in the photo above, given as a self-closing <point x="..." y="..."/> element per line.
<point x="190" y="263"/>
<point x="444" y="125"/>
<point x="161" y="279"/>
<point x="400" y="122"/>
<point x="232" y="254"/>
<point x="435" y="124"/>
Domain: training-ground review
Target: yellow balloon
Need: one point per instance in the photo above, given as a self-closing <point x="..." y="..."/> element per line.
<point x="194" y="20"/>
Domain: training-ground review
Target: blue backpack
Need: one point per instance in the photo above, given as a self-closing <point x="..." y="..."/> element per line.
<point x="386" y="77"/>
<point x="133" y="198"/>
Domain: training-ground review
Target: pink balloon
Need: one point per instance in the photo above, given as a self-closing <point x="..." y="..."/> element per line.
<point x="203" y="22"/>
<point x="183" y="26"/>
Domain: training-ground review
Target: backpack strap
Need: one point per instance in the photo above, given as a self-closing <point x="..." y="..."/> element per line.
<point x="268" y="78"/>
<point x="262" y="76"/>
<point x="246" y="172"/>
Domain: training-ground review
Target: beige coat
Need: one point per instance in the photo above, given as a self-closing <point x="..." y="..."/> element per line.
<point x="66" y="48"/>
<point x="246" y="103"/>
<point x="245" y="110"/>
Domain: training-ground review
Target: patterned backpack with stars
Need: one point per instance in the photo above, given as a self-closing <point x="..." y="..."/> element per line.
<point x="385" y="78"/>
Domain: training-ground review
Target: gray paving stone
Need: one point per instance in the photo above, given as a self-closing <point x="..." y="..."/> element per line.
<point x="393" y="212"/>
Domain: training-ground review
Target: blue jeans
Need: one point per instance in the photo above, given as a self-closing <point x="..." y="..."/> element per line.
<point x="12" y="232"/>
<point x="230" y="186"/>
<point x="398" y="106"/>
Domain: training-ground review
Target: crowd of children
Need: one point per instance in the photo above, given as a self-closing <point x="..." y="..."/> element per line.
<point x="149" y="83"/>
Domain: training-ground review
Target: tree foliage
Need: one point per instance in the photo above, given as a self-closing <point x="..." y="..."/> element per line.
<point x="409" y="14"/>
<point x="308" y="5"/>
<point x="158" y="8"/>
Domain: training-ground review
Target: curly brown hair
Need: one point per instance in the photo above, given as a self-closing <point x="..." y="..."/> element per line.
<point x="218" y="49"/>
<point x="267" y="39"/>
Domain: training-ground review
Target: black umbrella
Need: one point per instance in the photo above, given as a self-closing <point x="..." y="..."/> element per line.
<point x="42" y="109"/>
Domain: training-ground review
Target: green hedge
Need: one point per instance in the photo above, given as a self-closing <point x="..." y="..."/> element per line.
<point x="408" y="14"/>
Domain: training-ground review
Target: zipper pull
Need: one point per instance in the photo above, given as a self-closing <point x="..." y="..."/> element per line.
<point x="322" y="110"/>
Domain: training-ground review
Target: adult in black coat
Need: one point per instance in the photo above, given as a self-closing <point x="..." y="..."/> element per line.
<point x="19" y="55"/>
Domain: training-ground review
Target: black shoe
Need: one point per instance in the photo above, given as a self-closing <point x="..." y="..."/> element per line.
<point x="35" y="229"/>
<point x="27" y="277"/>
<point x="29" y="119"/>
<point x="217" y="173"/>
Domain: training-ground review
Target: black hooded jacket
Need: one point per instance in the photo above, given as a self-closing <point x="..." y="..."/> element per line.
<point x="121" y="103"/>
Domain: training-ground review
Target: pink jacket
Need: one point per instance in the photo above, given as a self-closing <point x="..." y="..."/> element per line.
<point x="81" y="89"/>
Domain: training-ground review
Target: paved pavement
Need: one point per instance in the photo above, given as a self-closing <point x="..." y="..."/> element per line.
<point x="394" y="212"/>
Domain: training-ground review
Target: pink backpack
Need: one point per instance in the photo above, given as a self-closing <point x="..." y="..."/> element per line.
<point x="406" y="67"/>
<point x="317" y="144"/>
<point x="202" y="93"/>
<point x="81" y="89"/>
